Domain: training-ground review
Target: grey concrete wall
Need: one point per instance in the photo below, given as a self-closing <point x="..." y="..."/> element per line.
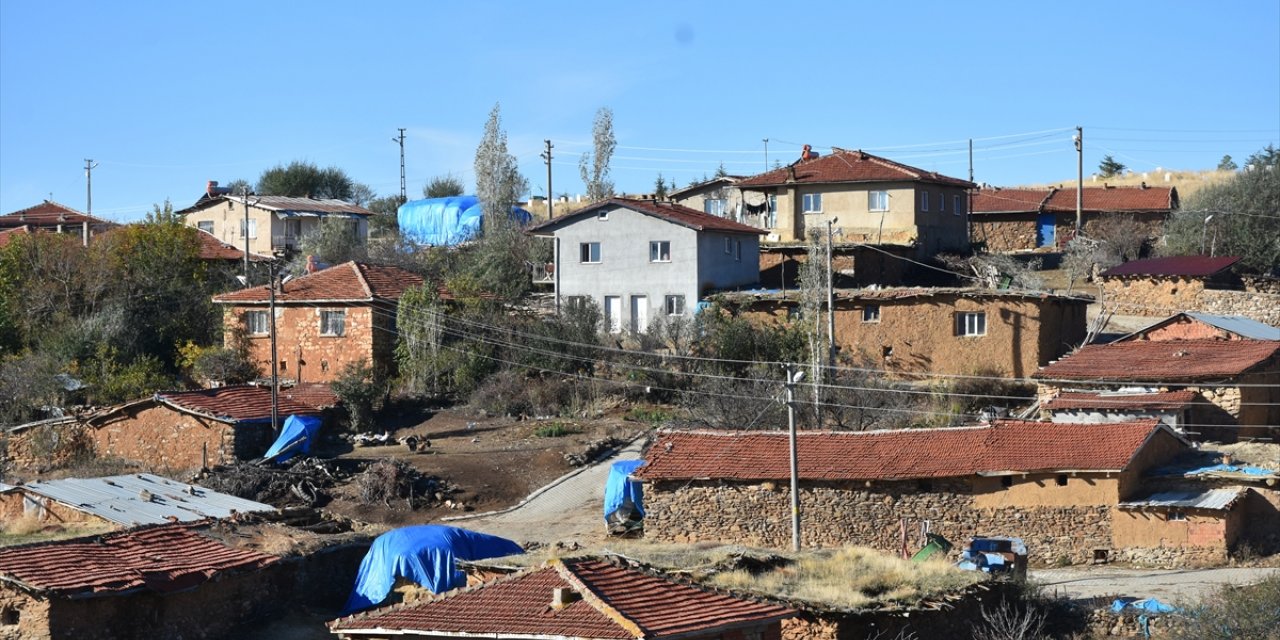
<point x="739" y="267"/>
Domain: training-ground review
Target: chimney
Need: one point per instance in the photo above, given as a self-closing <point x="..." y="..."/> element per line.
<point x="311" y="264"/>
<point x="211" y="187"/>
<point x="562" y="597"/>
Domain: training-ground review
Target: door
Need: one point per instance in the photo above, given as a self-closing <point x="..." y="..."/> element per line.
<point x="1044" y="230"/>
<point x="639" y="313"/>
<point x="613" y="313"/>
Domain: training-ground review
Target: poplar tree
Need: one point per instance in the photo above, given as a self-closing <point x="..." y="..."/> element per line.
<point x="594" y="167"/>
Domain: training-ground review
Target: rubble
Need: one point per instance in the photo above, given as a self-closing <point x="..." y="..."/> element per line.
<point x="301" y="482"/>
<point x="593" y="452"/>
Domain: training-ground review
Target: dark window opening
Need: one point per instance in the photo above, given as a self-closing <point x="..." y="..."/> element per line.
<point x="10" y="616"/>
<point x="1062" y="480"/>
<point x="1006" y="481"/>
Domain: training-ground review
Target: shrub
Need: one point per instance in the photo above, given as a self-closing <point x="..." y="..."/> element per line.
<point x="387" y="480"/>
<point x="1234" y="612"/>
<point x="555" y="430"/>
<point x="362" y="392"/>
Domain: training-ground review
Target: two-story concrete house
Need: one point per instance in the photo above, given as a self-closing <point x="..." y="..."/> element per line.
<point x="275" y="224"/>
<point x="638" y="259"/>
<point x="871" y="200"/>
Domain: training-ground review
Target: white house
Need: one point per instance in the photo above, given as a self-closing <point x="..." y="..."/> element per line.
<point x="639" y="258"/>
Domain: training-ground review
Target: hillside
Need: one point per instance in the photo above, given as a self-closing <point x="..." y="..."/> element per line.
<point x="1187" y="182"/>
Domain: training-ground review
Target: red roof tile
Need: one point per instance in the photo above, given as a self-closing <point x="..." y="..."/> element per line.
<point x="240" y="403"/>
<point x="1122" y="401"/>
<point x="163" y="559"/>
<point x="842" y="165"/>
<point x="346" y="282"/>
<point x="50" y="214"/>
<point x="1188" y="266"/>
<point x="211" y="248"/>
<point x="1163" y="361"/>
<point x="1117" y="199"/>
<point x="7" y="235"/>
<point x="1009" y="200"/>
<point x="669" y="211"/>
<point x="1008" y="445"/>
<point x="617" y="603"/>
<point x="313" y="394"/>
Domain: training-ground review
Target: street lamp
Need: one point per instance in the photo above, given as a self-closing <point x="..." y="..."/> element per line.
<point x="1204" y="231"/>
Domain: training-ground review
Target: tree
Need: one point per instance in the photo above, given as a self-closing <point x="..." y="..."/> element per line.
<point x="1245" y="220"/>
<point x="334" y="241"/>
<point x="660" y="187"/>
<point x="594" y="167"/>
<point x="720" y="172"/>
<point x="443" y="187"/>
<point x="1110" y="167"/>
<point x="1267" y="157"/>
<point x="305" y="180"/>
<point x="1227" y="164"/>
<point x="361" y="194"/>
<point x="162" y="214"/>
<point x="239" y="186"/>
<point x="499" y="184"/>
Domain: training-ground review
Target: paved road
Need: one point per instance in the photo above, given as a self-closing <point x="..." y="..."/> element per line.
<point x="570" y="509"/>
<point x="1170" y="585"/>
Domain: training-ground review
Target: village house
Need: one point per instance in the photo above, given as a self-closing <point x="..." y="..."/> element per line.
<point x="957" y="331"/>
<point x="1236" y="382"/>
<point x="1056" y="486"/>
<point x="719" y="197"/>
<point x="1193" y="325"/>
<point x="1163" y="286"/>
<point x="52" y="217"/>
<point x="275" y="224"/>
<point x="574" y="599"/>
<point x="120" y="501"/>
<point x="852" y="265"/>
<point x="1022" y="219"/>
<point x="342" y="315"/>
<point x="866" y="198"/>
<point x="640" y="259"/>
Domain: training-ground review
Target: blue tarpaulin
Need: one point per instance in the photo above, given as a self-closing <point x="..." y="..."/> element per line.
<point x="446" y="221"/>
<point x="619" y="488"/>
<point x="425" y="554"/>
<point x="1228" y="468"/>
<point x="1146" y="605"/>
<point x="295" y="437"/>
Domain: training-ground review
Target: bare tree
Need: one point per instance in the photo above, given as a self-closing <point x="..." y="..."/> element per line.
<point x="499" y="184"/>
<point x="594" y="167"/>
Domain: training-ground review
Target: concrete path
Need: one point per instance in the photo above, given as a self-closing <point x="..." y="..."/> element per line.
<point x="569" y="509"/>
<point x="1169" y="585"/>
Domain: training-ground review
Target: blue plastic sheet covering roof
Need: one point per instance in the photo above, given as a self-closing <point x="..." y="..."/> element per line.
<point x="446" y="221"/>
<point x="1230" y="468"/>
<point x="620" y="488"/>
<point x="295" y="438"/>
<point x="425" y="554"/>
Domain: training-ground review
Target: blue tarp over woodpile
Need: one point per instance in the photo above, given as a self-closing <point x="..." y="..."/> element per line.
<point x="620" y="491"/>
<point x="295" y="437"/>
<point x="447" y="221"/>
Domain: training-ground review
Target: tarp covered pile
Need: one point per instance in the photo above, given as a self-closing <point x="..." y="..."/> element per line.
<point x="447" y="221"/>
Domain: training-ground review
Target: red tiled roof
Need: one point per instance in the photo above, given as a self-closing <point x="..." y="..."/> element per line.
<point x="240" y="403"/>
<point x="212" y="248"/>
<point x="1189" y="266"/>
<point x="1009" y="200"/>
<point x="1114" y="199"/>
<point x="50" y="214"/>
<point x="313" y="394"/>
<point x="346" y="282"/>
<point x="616" y="603"/>
<point x="1121" y="401"/>
<point x="7" y="235"/>
<point x="1163" y="361"/>
<point x="1008" y="445"/>
<point x="669" y="211"/>
<point x="842" y="165"/>
<point x="163" y="559"/>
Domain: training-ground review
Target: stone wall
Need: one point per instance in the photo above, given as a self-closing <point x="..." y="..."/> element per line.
<point x="303" y="353"/>
<point x="18" y="504"/>
<point x="46" y="446"/>
<point x="22" y="616"/>
<point x="853" y="266"/>
<point x="953" y="620"/>
<point x="1263" y="307"/>
<point x="166" y="441"/>
<point x="1157" y="297"/>
<point x="1005" y="232"/>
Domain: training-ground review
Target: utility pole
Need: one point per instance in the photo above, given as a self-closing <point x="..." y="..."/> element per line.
<point x="275" y="373"/>
<point x="793" y="377"/>
<point x="546" y="155"/>
<point x="968" y="199"/>
<point x="1079" y="179"/>
<point x="89" y="166"/>
<point x="244" y="193"/>
<point x="766" y="154"/>
<point x="400" y="139"/>
<point x="970" y="159"/>
<point x="831" y="301"/>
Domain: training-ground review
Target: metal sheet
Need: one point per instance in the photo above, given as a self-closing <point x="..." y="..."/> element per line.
<point x="143" y="498"/>
<point x="1217" y="500"/>
<point x="1246" y="327"/>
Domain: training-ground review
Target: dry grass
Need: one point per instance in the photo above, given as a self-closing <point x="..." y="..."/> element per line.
<point x="31" y="529"/>
<point x="1187" y="182"/>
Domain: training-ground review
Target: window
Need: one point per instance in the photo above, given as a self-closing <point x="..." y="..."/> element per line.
<point x="942" y="203"/>
<point x="728" y="245"/>
<point x="773" y="210"/>
<point x="924" y="200"/>
<point x="877" y="201"/>
<point x="333" y="323"/>
<point x="737" y="244"/>
<point x="871" y="313"/>
<point x="256" y="322"/>
<point x="253" y="228"/>
<point x="575" y="302"/>
<point x="205" y="226"/>
<point x="1061" y="480"/>
<point x="660" y="251"/>
<point x="1177" y="516"/>
<point x="812" y="203"/>
<point x="590" y="252"/>
<point x="603" y="215"/>
<point x="675" y="305"/>
<point x="714" y="206"/>
<point x="958" y="207"/>
<point x="971" y="324"/>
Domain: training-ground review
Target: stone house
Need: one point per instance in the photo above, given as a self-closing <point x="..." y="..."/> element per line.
<point x="940" y="330"/>
<point x="324" y="320"/>
<point x="640" y="259"/>
<point x="1033" y="218"/>
<point x="1193" y="325"/>
<point x="52" y="217"/>
<point x="1212" y="521"/>
<point x="868" y="199"/>
<point x="574" y="599"/>
<point x="276" y="224"/>
<point x="1236" y="382"/>
<point x="1164" y="286"/>
<point x="1057" y="486"/>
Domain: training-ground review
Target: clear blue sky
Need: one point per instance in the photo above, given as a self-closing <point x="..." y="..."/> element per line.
<point x="167" y="95"/>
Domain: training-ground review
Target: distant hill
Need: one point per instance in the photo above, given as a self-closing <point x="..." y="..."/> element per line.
<point x="1187" y="182"/>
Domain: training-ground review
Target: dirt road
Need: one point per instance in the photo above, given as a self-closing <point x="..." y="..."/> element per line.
<point x="1169" y="585"/>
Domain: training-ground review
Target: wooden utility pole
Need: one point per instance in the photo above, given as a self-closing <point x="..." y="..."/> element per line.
<point x="546" y="155"/>
<point x="400" y="139"/>
<point x="831" y="302"/>
<point x="1079" y="179"/>
<point x="766" y="154"/>
<point x="275" y="372"/>
<point x="89" y="166"/>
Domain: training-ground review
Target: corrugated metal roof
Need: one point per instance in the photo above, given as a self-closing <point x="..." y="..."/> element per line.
<point x="1240" y="325"/>
<point x="1216" y="500"/>
<point x="122" y="499"/>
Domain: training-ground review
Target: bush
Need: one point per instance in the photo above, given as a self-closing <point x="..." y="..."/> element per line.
<point x="555" y="430"/>
<point x="1233" y="613"/>
<point x="511" y="393"/>
<point x="362" y="392"/>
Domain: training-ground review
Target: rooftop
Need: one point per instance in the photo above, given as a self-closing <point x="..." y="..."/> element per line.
<point x="1120" y="401"/>
<point x="611" y="602"/>
<point x="1162" y="361"/>
<point x="162" y="559"/>
<point x="1009" y="200"/>
<point x="1240" y="326"/>
<point x="1186" y="266"/>
<point x="1005" y="446"/>
<point x="843" y="165"/>
<point x="143" y="498"/>
<point x="50" y="214"/>
<point x="1114" y="199"/>
<point x="238" y="403"/>
<point x="212" y="248"/>
<point x="905" y="293"/>
<point x="1214" y="500"/>
<point x="346" y="282"/>
<point x="669" y="211"/>
<point x="285" y="205"/>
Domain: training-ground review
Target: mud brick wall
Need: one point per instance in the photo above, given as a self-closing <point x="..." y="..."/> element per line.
<point x="22" y="617"/>
<point x="165" y="440"/>
<point x="304" y="354"/>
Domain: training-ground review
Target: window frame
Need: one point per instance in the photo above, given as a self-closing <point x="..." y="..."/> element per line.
<point x="722" y="205"/>
<point x="248" y="323"/>
<point x="585" y="253"/>
<point x="253" y="228"/>
<point x="326" y="328"/>
<point x="737" y="248"/>
<point x="656" y="251"/>
<point x="667" y="302"/>
<point x="877" y="195"/>
<point x="871" y="313"/>
<point x="963" y="324"/>
<point x="924" y="201"/>
<point x="956" y="206"/>
<point x="205" y="223"/>
<point x="808" y="200"/>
